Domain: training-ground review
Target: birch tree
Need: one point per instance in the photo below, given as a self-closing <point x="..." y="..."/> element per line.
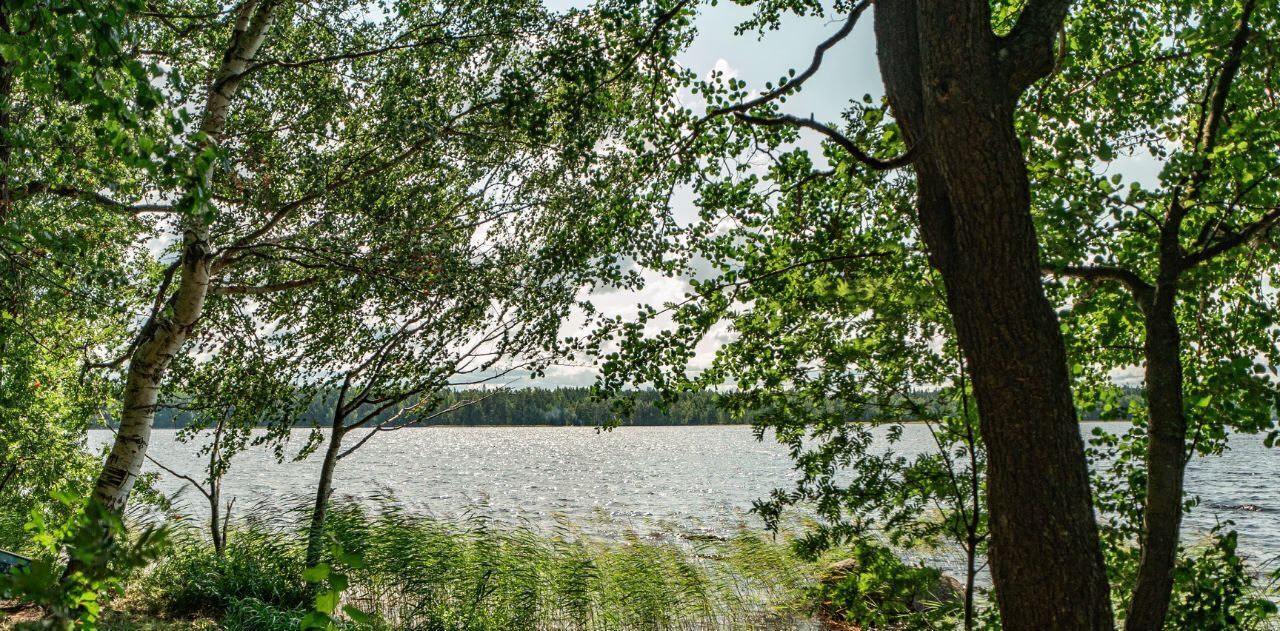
<point x="331" y="150"/>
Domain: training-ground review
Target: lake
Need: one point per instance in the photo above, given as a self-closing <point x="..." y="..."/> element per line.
<point x="682" y="480"/>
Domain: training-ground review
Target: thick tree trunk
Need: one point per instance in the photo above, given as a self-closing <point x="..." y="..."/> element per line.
<point x="940" y="65"/>
<point x="166" y="336"/>
<point x="146" y="372"/>
<point x="1166" y="453"/>
<point x="324" y="488"/>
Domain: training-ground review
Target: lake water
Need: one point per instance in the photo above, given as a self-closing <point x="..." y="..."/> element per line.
<point x="646" y="479"/>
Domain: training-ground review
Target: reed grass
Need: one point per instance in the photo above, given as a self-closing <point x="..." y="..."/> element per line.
<point x="474" y="574"/>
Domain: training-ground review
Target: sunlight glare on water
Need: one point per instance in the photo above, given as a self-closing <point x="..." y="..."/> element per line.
<point x="699" y="479"/>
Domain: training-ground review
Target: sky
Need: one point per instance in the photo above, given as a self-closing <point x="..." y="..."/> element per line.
<point x="848" y="71"/>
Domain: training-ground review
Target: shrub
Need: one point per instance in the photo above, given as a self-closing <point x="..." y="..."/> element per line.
<point x="260" y="566"/>
<point x="874" y="589"/>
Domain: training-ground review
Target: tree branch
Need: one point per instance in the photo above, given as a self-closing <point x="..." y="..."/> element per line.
<point x="741" y="110"/>
<point x="328" y="59"/>
<point x="253" y="290"/>
<point x="145" y="330"/>
<point x="1114" y="70"/>
<point x="71" y="192"/>
<point x="289" y="208"/>
<point x="840" y="139"/>
<point x="1216" y="106"/>
<point x="794" y="84"/>
<point x="1233" y="240"/>
<point x="1141" y="290"/>
<point x="1212" y="120"/>
<point x="386" y="426"/>
<point x="1027" y="51"/>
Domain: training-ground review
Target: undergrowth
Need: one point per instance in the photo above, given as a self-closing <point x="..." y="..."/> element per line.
<point x="423" y="573"/>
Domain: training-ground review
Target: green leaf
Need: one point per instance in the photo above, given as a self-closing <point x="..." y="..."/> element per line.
<point x="338" y="582"/>
<point x="351" y="560"/>
<point x="356" y="614"/>
<point x="327" y="601"/>
<point x="315" y="620"/>
<point x="316" y="573"/>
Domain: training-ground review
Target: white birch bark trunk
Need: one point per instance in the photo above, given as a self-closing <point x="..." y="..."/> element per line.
<point x="172" y="329"/>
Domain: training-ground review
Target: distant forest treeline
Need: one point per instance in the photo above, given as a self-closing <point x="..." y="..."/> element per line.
<point x="531" y="406"/>
<point x="555" y="406"/>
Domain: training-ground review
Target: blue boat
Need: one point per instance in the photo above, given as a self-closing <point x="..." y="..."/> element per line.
<point x="10" y="561"/>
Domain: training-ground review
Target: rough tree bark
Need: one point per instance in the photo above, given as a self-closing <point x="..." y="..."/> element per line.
<point x="953" y="86"/>
<point x="165" y="335"/>
<point x="1166" y="459"/>
<point x="1166" y="417"/>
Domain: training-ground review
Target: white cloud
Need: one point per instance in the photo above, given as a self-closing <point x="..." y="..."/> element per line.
<point x="722" y="66"/>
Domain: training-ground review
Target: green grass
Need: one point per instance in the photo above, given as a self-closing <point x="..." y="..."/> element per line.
<point x="421" y="573"/>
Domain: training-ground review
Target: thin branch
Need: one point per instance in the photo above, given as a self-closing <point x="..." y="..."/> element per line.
<point x="1141" y="290"/>
<point x="284" y="211"/>
<point x="840" y="139"/>
<point x="741" y="111"/>
<point x="38" y="188"/>
<point x="199" y="487"/>
<point x="781" y="270"/>
<point x="1234" y="240"/>
<point x="383" y="427"/>
<point x="1221" y="92"/>
<point x="794" y="84"/>
<point x="145" y="330"/>
<point x="254" y="290"/>
<point x="1214" y="110"/>
<point x="1114" y="70"/>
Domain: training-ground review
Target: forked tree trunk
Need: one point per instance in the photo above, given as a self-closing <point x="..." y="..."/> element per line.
<point x="1166" y="417"/>
<point x="324" y="489"/>
<point x="216" y="533"/>
<point x="165" y="337"/>
<point x="953" y="87"/>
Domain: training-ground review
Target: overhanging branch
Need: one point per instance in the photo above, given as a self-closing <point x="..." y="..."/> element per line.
<point x="253" y="290"/>
<point x="70" y="192"/>
<point x="840" y="139"/>
<point x="1233" y="240"/>
<point x="794" y="84"/>
<point x="1141" y="290"/>
<point x="741" y="111"/>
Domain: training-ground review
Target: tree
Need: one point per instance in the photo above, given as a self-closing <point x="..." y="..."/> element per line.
<point x="226" y="400"/>
<point x="175" y="315"/>
<point x="446" y="106"/>
<point x="1167" y="273"/>
<point x="953" y="84"/>
<point x="397" y="383"/>
<point x="76" y="115"/>
<point x="954" y="75"/>
<point x="838" y="331"/>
